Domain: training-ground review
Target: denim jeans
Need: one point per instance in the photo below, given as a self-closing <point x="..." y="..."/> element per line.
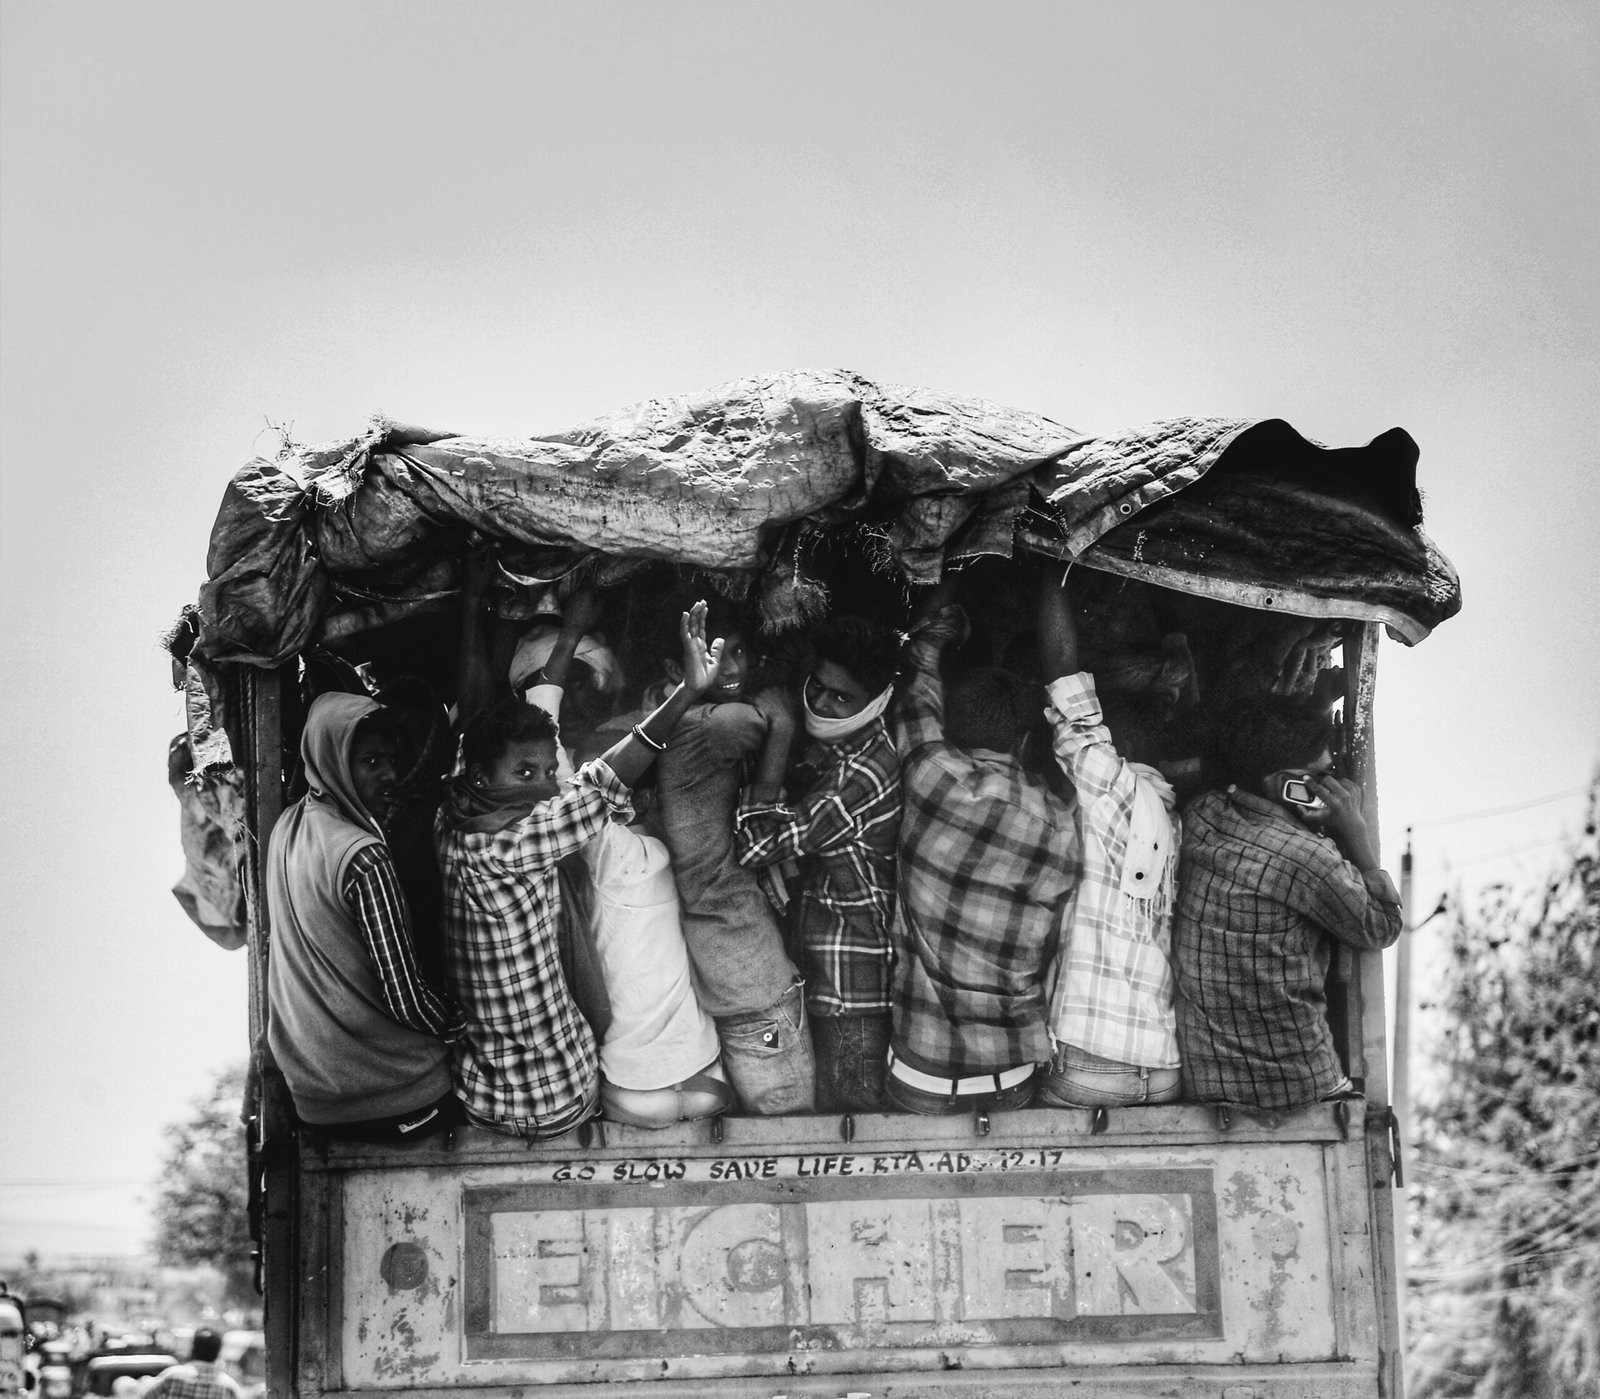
<point x="537" y="1129"/>
<point x="908" y="1099"/>
<point x="852" y="1054"/>
<point x="767" y="1055"/>
<point x="1079" y="1079"/>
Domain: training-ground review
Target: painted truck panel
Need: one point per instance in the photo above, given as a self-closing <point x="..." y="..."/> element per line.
<point x="1042" y="1248"/>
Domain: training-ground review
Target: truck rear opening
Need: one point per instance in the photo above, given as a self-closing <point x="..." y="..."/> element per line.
<point x="1153" y="1250"/>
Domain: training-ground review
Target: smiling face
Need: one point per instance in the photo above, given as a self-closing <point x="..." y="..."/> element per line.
<point x="735" y="670"/>
<point x="832" y="692"/>
<point x="372" y="773"/>
<point x="525" y="770"/>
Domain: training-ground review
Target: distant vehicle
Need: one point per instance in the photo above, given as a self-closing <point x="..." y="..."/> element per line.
<point x="47" y="1318"/>
<point x="14" y="1377"/>
<point x="103" y="1371"/>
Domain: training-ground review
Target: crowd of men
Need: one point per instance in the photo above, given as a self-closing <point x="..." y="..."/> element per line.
<point x="862" y="892"/>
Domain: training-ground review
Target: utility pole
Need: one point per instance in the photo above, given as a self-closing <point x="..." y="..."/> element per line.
<point x="1400" y="1072"/>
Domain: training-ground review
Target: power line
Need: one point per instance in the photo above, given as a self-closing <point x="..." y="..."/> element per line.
<point x="45" y="1183"/>
<point x="1500" y="810"/>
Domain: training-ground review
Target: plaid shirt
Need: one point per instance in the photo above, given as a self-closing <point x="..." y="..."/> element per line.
<point x="1260" y="899"/>
<point x="527" y="1054"/>
<point x="194" y="1379"/>
<point x="988" y="856"/>
<point x="844" y="833"/>
<point x="373" y="893"/>
<point x="1113" y="989"/>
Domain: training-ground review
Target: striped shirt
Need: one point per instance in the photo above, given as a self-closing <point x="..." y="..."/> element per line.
<point x="843" y="832"/>
<point x="373" y="892"/>
<point x="527" y="1056"/>
<point x="1113" y="981"/>
<point x="1260" y="900"/>
<point x="988" y="857"/>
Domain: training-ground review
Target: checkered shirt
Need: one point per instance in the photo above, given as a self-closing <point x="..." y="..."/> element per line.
<point x="526" y="1054"/>
<point x="1113" y="986"/>
<point x="843" y="832"/>
<point x="1260" y="900"/>
<point x="194" y="1379"/>
<point x="988" y="857"/>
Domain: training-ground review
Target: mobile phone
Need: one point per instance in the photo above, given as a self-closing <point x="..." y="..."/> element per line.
<point x="1297" y="792"/>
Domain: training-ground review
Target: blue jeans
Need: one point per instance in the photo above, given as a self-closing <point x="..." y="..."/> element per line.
<point x="767" y="1055"/>
<point x="1079" y="1079"/>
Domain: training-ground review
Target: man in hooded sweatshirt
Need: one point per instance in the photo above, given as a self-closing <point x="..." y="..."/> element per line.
<point x="359" y="1034"/>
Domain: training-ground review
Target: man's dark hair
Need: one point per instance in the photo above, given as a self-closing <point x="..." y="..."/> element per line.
<point x="990" y="708"/>
<point x="504" y="722"/>
<point x="723" y="618"/>
<point x="207" y="1345"/>
<point x="869" y="650"/>
<point x="1272" y="734"/>
<point x="379" y="723"/>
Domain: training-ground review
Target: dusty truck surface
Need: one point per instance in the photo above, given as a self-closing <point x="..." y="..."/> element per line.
<point x="1131" y="1251"/>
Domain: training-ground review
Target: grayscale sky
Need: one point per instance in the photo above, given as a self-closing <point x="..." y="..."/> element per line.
<point x="506" y="218"/>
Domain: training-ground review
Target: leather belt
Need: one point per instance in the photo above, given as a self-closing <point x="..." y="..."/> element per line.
<point x="959" y="1087"/>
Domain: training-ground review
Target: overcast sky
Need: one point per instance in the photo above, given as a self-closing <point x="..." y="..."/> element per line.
<point x="500" y="218"/>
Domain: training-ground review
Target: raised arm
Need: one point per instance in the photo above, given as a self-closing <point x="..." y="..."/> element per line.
<point x="918" y="712"/>
<point x="630" y="758"/>
<point x="578" y="617"/>
<point x="481" y="672"/>
<point x="1058" y="632"/>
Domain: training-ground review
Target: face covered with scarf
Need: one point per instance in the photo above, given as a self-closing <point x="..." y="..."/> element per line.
<point x="837" y="704"/>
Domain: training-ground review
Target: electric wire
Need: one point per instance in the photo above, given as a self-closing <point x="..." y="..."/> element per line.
<point x="1499" y="810"/>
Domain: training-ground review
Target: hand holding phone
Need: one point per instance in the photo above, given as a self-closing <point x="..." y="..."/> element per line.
<point x="1297" y="792"/>
<point x="1341" y="817"/>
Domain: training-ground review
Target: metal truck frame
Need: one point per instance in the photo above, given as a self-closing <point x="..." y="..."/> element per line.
<point x="1146" y="1251"/>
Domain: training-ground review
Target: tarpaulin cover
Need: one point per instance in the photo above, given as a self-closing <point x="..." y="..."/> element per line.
<point x="211" y="829"/>
<point x="325" y="541"/>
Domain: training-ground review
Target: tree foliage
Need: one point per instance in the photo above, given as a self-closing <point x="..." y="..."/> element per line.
<point x="1506" y="1208"/>
<point x="202" y="1207"/>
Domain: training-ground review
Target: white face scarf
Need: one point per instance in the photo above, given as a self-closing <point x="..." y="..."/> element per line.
<point x="834" y="730"/>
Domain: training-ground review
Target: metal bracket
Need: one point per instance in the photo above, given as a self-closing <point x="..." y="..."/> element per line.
<point x="847" y="1127"/>
<point x="1100" y="1122"/>
<point x="980" y="1122"/>
<point x="1383" y="1124"/>
<point x="717" y="1129"/>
